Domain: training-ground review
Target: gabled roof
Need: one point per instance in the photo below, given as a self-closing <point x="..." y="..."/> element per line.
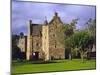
<point x="54" y="19"/>
<point x="46" y="22"/>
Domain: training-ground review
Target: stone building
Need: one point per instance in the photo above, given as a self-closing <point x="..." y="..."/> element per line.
<point x="44" y="40"/>
<point x="22" y="44"/>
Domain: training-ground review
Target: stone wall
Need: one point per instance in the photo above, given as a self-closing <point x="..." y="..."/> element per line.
<point x="46" y="38"/>
<point x="58" y="53"/>
<point x="45" y="42"/>
<point x="56" y="39"/>
<point x="22" y="44"/>
<point x="37" y="45"/>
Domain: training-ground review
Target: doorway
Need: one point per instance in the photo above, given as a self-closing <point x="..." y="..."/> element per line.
<point x="35" y="55"/>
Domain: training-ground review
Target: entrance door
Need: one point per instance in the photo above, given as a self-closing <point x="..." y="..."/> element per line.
<point x="35" y="55"/>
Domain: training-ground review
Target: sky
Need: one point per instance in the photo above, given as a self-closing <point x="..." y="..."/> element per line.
<point x="23" y="11"/>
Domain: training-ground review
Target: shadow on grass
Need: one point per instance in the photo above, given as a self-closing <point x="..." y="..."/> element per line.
<point x="18" y="63"/>
<point x="44" y="62"/>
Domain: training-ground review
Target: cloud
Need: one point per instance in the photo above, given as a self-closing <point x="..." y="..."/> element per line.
<point x="24" y="11"/>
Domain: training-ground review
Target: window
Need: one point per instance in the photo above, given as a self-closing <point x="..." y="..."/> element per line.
<point x="55" y="43"/>
<point x="37" y="44"/>
<point x="55" y="46"/>
<point x="53" y="35"/>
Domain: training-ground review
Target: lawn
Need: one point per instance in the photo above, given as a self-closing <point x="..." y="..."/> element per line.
<point x="56" y="65"/>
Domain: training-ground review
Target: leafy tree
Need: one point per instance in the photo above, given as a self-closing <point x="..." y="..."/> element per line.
<point x="91" y="26"/>
<point x="15" y="39"/>
<point x="80" y="41"/>
<point x="16" y="53"/>
<point x="69" y="30"/>
<point x="73" y="23"/>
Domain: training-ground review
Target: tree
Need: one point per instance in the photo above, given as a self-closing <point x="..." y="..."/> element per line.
<point x="16" y="52"/>
<point x="73" y="23"/>
<point x="81" y="41"/>
<point x="91" y="26"/>
<point x="15" y="39"/>
<point x="69" y="30"/>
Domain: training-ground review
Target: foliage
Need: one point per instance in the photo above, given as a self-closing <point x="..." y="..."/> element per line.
<point x="81" y="40"/>
<point x="16" y="52"/>
<point x="69" y="29"/>
<point x="91" y="26"/>
<point x="15" y="39"/>
<point x="73" y="23"/>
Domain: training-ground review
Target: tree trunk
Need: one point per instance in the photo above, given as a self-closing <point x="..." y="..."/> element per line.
<point x="70" y="56"/>
<point x="82" y="57"/>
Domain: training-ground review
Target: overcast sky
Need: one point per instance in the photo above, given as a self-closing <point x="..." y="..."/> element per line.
<point x="22" y="12"/>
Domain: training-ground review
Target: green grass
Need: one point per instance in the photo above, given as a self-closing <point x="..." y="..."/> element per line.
<point x="57" y="65"/>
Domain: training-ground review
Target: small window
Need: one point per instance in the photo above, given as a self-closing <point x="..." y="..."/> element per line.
<point x="53" y="35"/>
<point x="37" y="44"/>
<point x="55" y="44"/>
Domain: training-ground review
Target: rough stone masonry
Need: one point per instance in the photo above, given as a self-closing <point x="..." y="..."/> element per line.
<point x="44" y="40"/>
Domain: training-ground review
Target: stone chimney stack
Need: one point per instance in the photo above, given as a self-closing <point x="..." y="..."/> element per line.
<point x="45" y="21"/>
<point x="56" y="14"/>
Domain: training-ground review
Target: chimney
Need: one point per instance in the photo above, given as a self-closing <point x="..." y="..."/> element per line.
<point x="56" y="14"/>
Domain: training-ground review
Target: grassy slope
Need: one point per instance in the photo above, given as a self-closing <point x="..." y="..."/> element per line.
<point x="63" y="65"/>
